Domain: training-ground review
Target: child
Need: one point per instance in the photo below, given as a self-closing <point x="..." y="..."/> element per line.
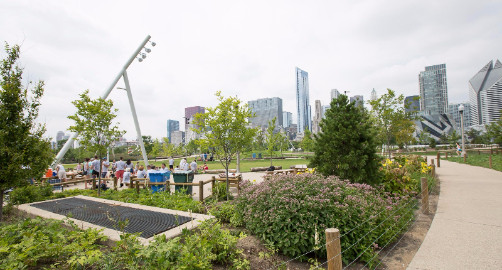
<point x="459" y="150"/>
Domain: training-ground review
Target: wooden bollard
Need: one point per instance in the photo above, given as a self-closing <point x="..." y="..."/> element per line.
<point x="446" y="155"/>
<point x="115" y="183"/>
<point x="438" y="158"/>
<point x="479" y="152"/>
<point x="137" y="187"/>
<point x="425" y="196"/>
<point x="333" y="249"/>
<point x="432" y="161"/>
<point x="213" y="182"/>
<point x="465" y="157"/>
<point x="168" y="186"/>
<point x="490" y="161"/>
<point x="201" y="191"/>
<point x="425" y="159"/>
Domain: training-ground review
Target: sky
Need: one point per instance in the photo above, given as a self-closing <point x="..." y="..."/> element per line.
<point x="247" y="49"/>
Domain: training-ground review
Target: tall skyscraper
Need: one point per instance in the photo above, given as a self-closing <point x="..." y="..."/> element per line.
<point x="177" y="137"/>
<point x="358" y="99"/>
<point x="191" y="111"/>
<point x="485" y="94"/>
<point x="433" y="90"/>
<point x="324" y="109"/>
<point x="266" y="109"/>
<point x="59" y="136"/>
<point x="373" y="95"/>
<point x="412" y="104"/>
<point x="287" y="119"/>
<point x="316" y="121"/>
<point x="172" y="125"/>
<point x="334" y="94"/>
<point x="303" y="109"/>
<point x="453" y="111"/>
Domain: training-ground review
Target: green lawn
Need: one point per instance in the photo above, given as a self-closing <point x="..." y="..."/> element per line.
<point x="481" y="160"/>
<point x="246" y="165"/>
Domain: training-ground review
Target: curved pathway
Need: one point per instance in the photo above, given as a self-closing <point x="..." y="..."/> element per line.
<point x="466" y="232"/>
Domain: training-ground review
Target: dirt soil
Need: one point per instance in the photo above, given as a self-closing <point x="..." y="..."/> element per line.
<point x="396" y="256"/>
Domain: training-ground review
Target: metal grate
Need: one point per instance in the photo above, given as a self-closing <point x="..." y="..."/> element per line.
<point x="146" y="222"/>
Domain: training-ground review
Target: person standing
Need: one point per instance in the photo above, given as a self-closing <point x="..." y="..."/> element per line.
<point x="95" y="166"/>
<point x="61" y="172"/>
<point x="183" y="164"/>
<point x="193" y="166"/>
<point x="86" y="168"/>
<point x="171" y="163"/>
<point x="104" y="169"/>
<point x="120" y="170"/>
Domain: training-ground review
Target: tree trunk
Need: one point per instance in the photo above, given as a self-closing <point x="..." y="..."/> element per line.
<point x="1" y="205"/>
<point x="226" y="169"/>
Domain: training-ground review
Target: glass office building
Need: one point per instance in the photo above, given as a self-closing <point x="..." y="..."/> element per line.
<point x="485" y="94"/>
<point x="303" y="109"/>
<point x="266" y="109"/>
<point x="172" y="125"/>
<point x="433" y="90"/>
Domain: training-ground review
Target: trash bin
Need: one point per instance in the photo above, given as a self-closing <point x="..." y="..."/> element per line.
<point x="254" y="155"/>
<point x="159" y="177"/>
<point x="183" y="177"/>
<point x="259" y="155"/>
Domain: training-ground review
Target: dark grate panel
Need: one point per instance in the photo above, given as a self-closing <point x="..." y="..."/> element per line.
<point x="146" y="222"/>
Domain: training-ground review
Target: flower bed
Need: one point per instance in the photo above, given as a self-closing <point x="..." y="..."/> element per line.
<point x="292" y="212"/>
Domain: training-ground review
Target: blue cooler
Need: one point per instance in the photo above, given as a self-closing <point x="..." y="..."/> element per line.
<point x="159" y="177"/>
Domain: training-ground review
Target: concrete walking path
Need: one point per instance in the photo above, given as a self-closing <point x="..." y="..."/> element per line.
<point x="466" y="232"/>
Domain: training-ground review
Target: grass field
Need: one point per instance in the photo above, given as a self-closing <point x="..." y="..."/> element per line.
<point x="481" y="160"/>
<point x="246" y="165"/>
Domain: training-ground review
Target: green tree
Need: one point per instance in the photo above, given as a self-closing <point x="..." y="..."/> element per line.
<point x="168" y="149"/>
<point x="346" y="146"/>
<point x="454" y="138"/>
<point x="224" y="129"/>
<point x="24" y="153"/>
<point x="148" y="143"/>
<point x="192" y="147"/>
<point x="392" y="118"/>
<point x="494" y="131"/>
<point x="156" y="149"/>
<point x="271" y="138"/>
<point x="93" y="121"/>
<point x="282" y="142"/>
<point x="307" y="143"/>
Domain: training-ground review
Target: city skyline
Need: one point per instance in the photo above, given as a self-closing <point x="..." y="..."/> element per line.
<point x="206" y="47"/>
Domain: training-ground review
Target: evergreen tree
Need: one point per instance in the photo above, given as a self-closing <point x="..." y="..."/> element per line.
<point x="346" y="145"/>
<point x="24" y="153"/>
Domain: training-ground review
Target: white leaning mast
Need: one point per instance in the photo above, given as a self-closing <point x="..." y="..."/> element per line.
<point x="138" y="54"/>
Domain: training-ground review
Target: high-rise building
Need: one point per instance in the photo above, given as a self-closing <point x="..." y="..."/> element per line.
<point x="324" y="109"/>
<point x="287" y="119"/>
<point x="192" y="111"/>
<point x="373" y="95"/>
<point x="453" y="111"/>
<point x="334" y="94"/>
<point x="412" y="104"/>
<point x="358" y="99"/>
<point x="433" y="90"/>
<point x="303" y="109"/>
<point x="266" y="109"/>
<point x="177" y="137"/>
<point x="485" y="94"/>
<point x="316" y="121"/>
<point x="172" y="125"/>
<point x="59" y="136"/>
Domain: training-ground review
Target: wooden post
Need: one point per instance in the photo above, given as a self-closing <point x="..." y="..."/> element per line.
<point x="479" y="152"/>
<point x="425" y="159"/>
<point x="438" y="158"/>
<point x="491" y="151"/>
<point x="168" y="186"/>
<point x="432" y="161"/>
<point x="425" y="196"/>
<point x="490" y="161"/>
<point x="93" y="183"/>
<point x="115" y="183"/>
<point x="213" y="182"/>
<point x="333" y="249"/>
<point x="201" y="191"/>
<point x="137" y="186"/>
<point x="446" y="155"/>
<point x="465" y="156"/>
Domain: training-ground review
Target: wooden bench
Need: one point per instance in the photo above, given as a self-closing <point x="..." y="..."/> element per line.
<point x="232" y="181"/>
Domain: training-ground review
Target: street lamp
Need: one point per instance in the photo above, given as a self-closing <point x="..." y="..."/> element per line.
<point x="461" y="110"/>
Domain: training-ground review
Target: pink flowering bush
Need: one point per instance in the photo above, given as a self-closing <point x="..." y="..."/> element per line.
<point x="293" y="211"/>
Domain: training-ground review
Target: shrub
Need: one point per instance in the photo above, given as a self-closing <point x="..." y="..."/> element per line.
<point x="29" y="194"/>
<point x="290" y="210"/>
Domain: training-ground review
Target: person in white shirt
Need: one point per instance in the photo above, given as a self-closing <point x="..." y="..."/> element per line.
<point x="61" y="172"/>
<point x="193" y="166"/>
<point x="163" y="168"/>
<point x="171" y="163"/>
<point x="141" y="172"/>
<point x="182" y="164"/>
<point x="151" y="170"/>
<point x="95" y="166"/>
<point x="120" y="170"/>
<point x="104" y="168"/>
<point x="127" y="176"/>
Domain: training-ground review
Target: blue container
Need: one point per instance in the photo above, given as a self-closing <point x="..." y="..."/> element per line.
<point x="55" y="181"/>
<point x="254" y="155"/>
<point x="159" y="177"/>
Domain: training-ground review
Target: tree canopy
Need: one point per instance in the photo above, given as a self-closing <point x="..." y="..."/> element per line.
<point x="346" y="145"/>
<point x="24" y="153"/>
<point x="224" y="129"/>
